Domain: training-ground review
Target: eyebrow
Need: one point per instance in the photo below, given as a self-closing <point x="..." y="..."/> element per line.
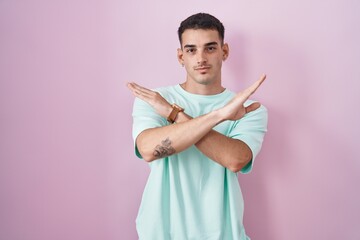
<point x="206" y="45"/>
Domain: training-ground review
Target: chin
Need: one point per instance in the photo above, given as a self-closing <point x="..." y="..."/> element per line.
<point x="204" y="81"/>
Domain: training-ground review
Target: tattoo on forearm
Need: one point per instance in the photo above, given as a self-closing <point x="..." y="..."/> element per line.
<point x="164" y="149"/>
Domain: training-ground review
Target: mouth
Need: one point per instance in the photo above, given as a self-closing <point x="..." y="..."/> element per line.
<point x="202" y="68"/>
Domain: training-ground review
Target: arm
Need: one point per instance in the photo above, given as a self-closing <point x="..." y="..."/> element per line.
<point x="155" y="143"/>
<point x="231" y="153"/>
<point x="164" y="141"/>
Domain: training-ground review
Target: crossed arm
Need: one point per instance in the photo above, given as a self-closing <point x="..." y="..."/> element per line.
<point x="163" y="141"/>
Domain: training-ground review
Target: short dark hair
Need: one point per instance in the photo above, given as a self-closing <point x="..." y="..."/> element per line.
<point x="202" y="21"/>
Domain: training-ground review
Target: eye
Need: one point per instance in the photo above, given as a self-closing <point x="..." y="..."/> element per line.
<point x="190" y="50"/>
<point x="211" y="49"/>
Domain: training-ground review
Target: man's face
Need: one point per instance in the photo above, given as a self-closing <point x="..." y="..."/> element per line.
<point x="202" y="54"/>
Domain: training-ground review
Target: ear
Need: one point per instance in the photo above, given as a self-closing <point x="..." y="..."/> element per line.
<point x="225" y="49"/>
<point x="180" y="55"/>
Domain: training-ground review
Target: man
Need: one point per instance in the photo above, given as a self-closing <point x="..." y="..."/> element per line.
<point x="196" y="136"/>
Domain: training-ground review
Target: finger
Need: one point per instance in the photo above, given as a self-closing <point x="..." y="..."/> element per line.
<point x="147" y="94"/>
<point x="140" y="93"/>
<point x="136" y="90"/>
<point x="250" y="90"/>
<point x="252" y="107"/>
<point x="257" y="84"/>
<point x="131" y="87"/>
<point x="141" y="88"/>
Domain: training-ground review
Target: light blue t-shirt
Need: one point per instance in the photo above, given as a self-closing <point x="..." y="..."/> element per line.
<point x="189" y="196"/>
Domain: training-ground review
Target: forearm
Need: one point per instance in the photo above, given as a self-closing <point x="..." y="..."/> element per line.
<point x="160" y="142"/>
<point x="228" y="152"/>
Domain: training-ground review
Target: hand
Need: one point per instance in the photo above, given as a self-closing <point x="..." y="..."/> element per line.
<point x="235" y="109"/>
<point x="161" y="106"/>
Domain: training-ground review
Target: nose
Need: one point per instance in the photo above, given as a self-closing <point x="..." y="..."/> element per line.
<point x="201" y="57"/>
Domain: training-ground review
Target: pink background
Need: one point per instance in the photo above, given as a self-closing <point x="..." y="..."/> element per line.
<point x="67" y="164"/>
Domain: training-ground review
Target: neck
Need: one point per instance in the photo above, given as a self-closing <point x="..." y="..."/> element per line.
<point x="202" y="89"/>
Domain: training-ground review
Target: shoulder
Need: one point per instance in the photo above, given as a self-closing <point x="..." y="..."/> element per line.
<point x="258" y="116"/>
<point x="165" y="90"/>
<point x="170" y="93"/>
<point x="262" y="111"/>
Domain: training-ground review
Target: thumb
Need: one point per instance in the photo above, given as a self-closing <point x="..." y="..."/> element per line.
<point x="252" y="107"/>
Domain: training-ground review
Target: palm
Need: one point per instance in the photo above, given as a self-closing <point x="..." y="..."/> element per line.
<point x="235" y="109"/>
<point x="160" y="105"/>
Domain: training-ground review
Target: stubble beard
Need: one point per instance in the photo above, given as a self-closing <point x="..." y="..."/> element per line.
<point x="204" y="79"/>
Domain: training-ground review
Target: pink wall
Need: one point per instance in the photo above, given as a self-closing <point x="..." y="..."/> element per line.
<point x="67" y="167"/>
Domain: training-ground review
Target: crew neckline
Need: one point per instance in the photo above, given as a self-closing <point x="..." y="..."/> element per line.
<point x="200" y="96"/>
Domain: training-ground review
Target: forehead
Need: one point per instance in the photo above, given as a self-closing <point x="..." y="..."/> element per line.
<point x="199" y="37"/>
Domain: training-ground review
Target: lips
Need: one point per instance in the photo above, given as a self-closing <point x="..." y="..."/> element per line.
<point x="201" y="68"/>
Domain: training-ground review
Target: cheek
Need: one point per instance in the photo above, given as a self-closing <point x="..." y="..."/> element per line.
<point x="218" y="62"/>
<point x="189" y="63"/>
<point x="188" y="67"/>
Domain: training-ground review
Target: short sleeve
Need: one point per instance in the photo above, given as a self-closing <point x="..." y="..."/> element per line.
<point x="251" y="130"/>
<point x="144" y="117"/>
